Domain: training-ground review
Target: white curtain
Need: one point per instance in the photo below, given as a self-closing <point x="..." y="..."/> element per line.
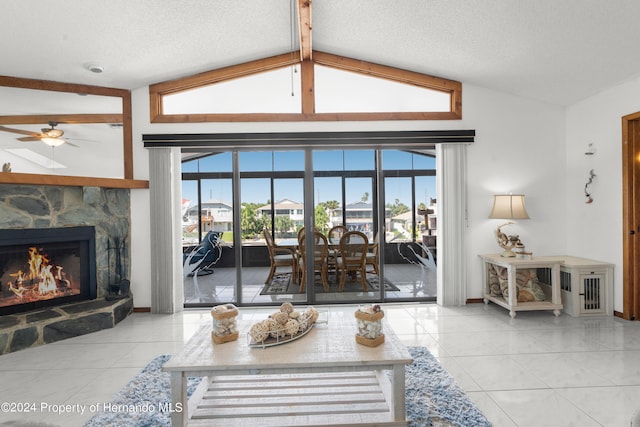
<point x="165" y="175"/>
<point x="451" y="182"/>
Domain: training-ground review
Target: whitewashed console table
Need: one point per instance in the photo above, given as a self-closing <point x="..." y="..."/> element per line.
<point x="512" y="265"/>
<point x="323" y="378"/>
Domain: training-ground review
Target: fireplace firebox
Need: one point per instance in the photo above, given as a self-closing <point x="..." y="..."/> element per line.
<point x="42" y="267"/>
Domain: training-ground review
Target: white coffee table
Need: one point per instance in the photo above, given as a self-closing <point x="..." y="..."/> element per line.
<point x="324" y="378"/>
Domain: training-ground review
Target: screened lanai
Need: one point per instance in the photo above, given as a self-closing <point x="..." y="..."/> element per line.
<point x="388" y="195"/>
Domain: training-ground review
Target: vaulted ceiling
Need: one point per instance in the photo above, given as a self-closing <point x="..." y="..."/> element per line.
<point x="554" y="51"/>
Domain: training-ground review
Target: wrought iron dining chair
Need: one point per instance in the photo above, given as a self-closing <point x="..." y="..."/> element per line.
<point x="280" y="257"/>
<point x="320" y="259"/>
<point x="353" y="257"/>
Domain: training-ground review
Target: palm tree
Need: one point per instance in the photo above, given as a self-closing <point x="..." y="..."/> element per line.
<point x="332" y="204"/>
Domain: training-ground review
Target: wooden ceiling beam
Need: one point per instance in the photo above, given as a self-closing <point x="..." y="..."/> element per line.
<point x="304" y="29"/>
<point x="60" y="118"/>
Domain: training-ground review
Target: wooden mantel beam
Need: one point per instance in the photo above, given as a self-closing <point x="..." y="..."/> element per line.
<point x="304" y="29"/>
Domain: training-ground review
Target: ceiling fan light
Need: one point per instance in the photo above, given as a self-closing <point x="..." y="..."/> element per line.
<point x="53" y="142"/>
<point x="52" y="133"/>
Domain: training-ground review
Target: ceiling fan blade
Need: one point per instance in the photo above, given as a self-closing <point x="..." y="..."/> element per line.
<point x="29" y="138"/>
<point x="82" y="140"/>
<point x="66" y="141"/>
<point x="20" y="131"/>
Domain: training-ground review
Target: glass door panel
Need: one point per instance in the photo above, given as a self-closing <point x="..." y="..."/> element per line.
<point x="255" y="215"/>
<point x="426" y="237"/>
<point x="288" y="208"/>
<point x="400" y="264"/>
<point x="406" y="261"/>
<point x="328" y="214"/>
<point x="189" y="205"/>
<point x="358" y="215"/>
<point x="208" y="226"/>
<point x="328" y="203"/>
<point x="270" y="262"/>
<point x="359" y="205"/>
<point x="288" y="219"/>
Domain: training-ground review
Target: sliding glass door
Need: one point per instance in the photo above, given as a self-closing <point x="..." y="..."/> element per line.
<point x="393" y="207"/>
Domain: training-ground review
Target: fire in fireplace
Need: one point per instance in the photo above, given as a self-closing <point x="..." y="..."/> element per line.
<point x="44" y="267"/>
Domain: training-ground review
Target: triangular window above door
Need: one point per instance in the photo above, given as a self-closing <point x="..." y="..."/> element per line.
<point x="267" y="92"/>
<point x="327" y="88"/>
<point x="338" y="91"/>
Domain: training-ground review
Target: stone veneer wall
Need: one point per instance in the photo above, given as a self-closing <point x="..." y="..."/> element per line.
<point x="42" y="206"/>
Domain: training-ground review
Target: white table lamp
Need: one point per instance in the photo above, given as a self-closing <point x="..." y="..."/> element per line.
<point x="508" y="206"/>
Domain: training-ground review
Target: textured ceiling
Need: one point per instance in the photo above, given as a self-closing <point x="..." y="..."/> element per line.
<point x="555" y="51"/>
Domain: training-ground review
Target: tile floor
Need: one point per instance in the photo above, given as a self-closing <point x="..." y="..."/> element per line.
<point x="534" y="370"/>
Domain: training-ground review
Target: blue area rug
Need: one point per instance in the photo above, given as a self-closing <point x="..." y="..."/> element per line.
<point x="432" y="396"/>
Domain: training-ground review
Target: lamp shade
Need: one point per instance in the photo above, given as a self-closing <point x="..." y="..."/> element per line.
<point x="508" y="206"/>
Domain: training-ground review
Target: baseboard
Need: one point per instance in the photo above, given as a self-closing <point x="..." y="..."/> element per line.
<point x="474" y="300"/>
<point x="142" y="309"/>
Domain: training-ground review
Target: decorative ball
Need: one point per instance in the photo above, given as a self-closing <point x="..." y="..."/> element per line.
<point x="276" y="330"/>
<point x="312" y="314"/>
<point x="286" y="307"/>
<point x="294" y="314"/>
<point x="280" y="317"/>
<point x="259" y="332"/>
<point x="303" y="324"/>
<point x="291" y="327"/>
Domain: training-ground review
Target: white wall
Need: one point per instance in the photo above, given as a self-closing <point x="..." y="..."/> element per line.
<point x="595" y="230"/>
<point x="141" y="251"/>
<point x="519" y="148"/>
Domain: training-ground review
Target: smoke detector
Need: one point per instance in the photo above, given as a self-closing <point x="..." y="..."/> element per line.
<point x="95" y="68"/>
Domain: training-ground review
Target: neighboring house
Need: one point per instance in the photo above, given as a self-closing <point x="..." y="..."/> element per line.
<point x="285" y="207"/>
<point x="216" y="215"/>
<point x="359" y="217"/>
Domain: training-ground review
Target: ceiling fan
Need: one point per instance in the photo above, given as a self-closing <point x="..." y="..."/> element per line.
<point x="50" y="136"/>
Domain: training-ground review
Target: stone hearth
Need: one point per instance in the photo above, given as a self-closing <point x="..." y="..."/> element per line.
<point x="30" y="329"/>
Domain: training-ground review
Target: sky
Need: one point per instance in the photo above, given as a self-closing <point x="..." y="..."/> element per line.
<point x="257" y="190"/>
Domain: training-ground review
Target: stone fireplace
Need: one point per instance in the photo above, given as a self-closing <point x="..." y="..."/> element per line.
<point x="43" y="267"/>
<point x="83" y="233"/>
